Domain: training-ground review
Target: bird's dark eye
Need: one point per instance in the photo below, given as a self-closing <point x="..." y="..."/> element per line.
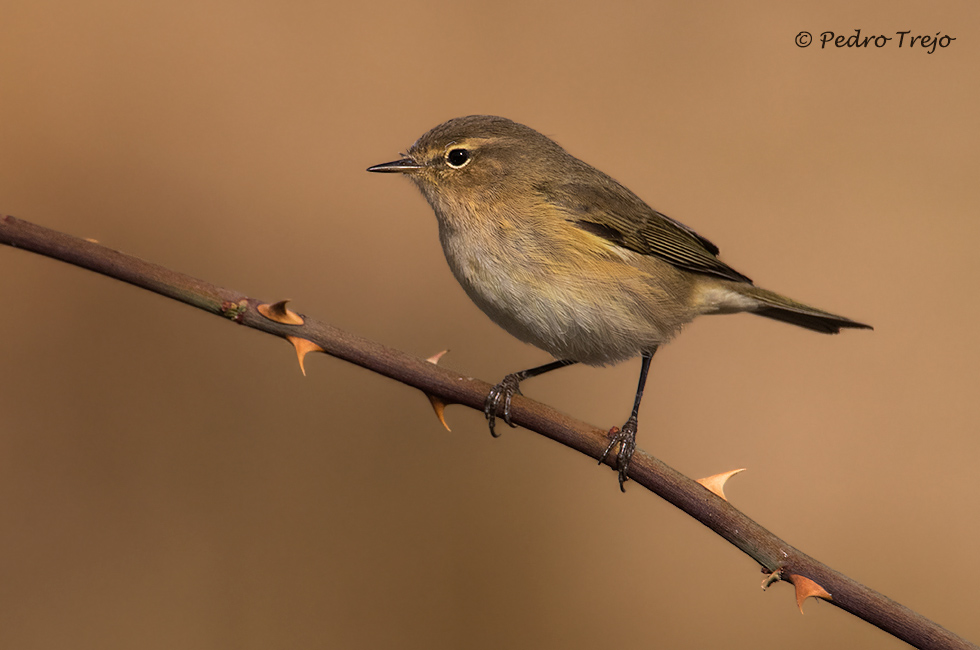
<point x="457" y="157"/>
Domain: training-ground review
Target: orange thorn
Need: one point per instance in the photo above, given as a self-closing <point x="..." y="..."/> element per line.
<point x="303" y="347"/>
<point x="805" y="588"/>
<point x="717" y="482"/>
<point x="437" y="404"/>
<point x="434" y="359"/>
<point x="439" y="407"/>
<point x="280" y="313"/>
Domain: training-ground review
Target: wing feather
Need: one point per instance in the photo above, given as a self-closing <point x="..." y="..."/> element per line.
<point x="611" y="211"/>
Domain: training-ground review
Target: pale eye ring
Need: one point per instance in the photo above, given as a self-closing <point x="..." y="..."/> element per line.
<point x="457" y="157"/>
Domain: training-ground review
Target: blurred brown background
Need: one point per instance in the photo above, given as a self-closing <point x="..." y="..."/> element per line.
<point x="168" y="480"/>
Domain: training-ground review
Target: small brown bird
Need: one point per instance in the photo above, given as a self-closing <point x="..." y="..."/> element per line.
<point x="565" y="258"/>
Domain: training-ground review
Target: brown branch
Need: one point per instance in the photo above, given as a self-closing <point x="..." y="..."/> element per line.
<point x="777" y="558"/>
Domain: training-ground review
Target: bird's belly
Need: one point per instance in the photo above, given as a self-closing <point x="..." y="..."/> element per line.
<point x="593" y="310"/>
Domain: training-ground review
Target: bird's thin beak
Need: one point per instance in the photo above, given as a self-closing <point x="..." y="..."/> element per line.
<point x="401" y="166"/>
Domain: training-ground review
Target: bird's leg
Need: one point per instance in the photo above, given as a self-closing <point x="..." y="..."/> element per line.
<point x="510" y="386"/>
<point x="626" y="437"/>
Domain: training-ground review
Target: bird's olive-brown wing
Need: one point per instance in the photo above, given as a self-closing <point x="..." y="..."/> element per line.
<point x="611" y="211"/>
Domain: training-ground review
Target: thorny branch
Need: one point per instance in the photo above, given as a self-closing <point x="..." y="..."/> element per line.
<point x="777" y="558"/>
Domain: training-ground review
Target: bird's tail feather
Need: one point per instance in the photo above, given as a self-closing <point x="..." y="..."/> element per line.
<point x="772" y="305"/>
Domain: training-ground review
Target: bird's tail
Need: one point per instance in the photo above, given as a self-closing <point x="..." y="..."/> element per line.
<point x="772" y="305"/>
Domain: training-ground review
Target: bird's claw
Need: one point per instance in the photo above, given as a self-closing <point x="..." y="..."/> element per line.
<point x="501" y="395"/>
<point x="626" y="439"/>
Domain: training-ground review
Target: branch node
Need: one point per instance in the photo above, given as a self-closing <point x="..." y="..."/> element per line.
<point x="772" y="577"/>
<point x="234" y="311"/>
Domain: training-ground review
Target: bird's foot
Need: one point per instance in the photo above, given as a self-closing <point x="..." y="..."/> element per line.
<point x="626" y="439"/>
<point x="500" y="396"/>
